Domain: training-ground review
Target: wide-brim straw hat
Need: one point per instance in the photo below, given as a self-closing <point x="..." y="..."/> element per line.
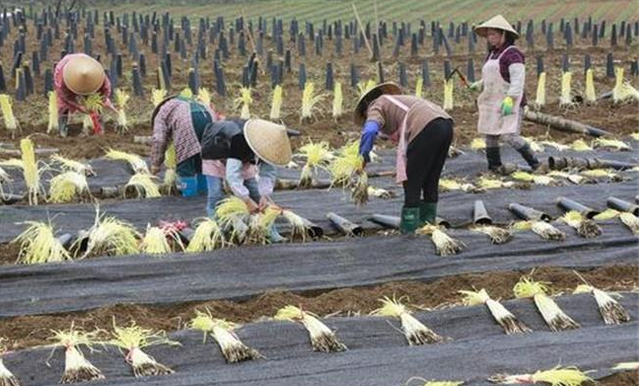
<point x="360" y="113"/>
<point x="83" y="75"/>
<point x="496" y="22"/>
<point x="269" y="141"/>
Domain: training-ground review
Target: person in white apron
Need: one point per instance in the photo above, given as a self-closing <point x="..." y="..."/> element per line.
<point x="502" y="100"/>
<point x="423" y="132"/>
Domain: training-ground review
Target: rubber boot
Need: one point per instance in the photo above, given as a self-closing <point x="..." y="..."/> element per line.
<point x="409" y="220"/>
<point x="274" y="236"/>
<point x="526" y="153"/>
<point x="493" y="159"/>
<point x="63" y="125"/>
<point x="428" y="213"/>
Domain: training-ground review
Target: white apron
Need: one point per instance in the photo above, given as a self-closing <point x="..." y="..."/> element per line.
<point x="490" y="118"/>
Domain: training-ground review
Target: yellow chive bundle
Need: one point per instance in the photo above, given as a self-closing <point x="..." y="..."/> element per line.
<point x="555" y="318"/>
<point x="135" y="161"/>
<point x="415" y="332"/>
<point x="77" y="368"/>
<point x="10" y="121"/>
<point x="155" y="241"/>
<point x="589" y="88"/>
<point x="496" y="234"/>
<point x="337" y="100"/>
<point x="67" y="187"/>
<point x="478" y="144"/>
<point x="222" y="331"/>
<point x="30" y="170"/>
<point x="610" y="144"/>
<point x="612" y="312"/>
<point x="38" y="245"/>
<point x="580" y="145"/>
<point x="541" y="90"/>
<point x="72" y="165"/>
<point x="207" y="237"/>
<point x="111" y="236"/>
<point x="6" y="376"/>
<point x="243" y="102"/>
<point x="232" y="213"/>
<point x="623" y="91"/>
<point x="93" y="103"/>
<point x="631" y="221"/>
<point x="509" y="323"/>
<point x="419" y="86"/>
<point x="121" y="101"/>
<point x="144" y="185"/>
<point x="448" y="95"/>
<point x="445" y="244"/>
<point x="204" y="96"/>
<point x="309" y="101"/>
<point x="557" y="376"/>
<point x="565" y="91"/>
<point x="585" y="227"/>
<point x="321" y="336"/>
<point x="157" y="96"/>
<point x="52" y="126"/>
<point x="276" y="103"/>
<point x="317" y="156"/>
<point x="133" y="339"/>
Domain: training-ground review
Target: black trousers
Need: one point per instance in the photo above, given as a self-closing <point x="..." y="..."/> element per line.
<point x="426" y="155"/>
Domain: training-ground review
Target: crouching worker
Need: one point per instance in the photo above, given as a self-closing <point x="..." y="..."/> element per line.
<point x="79" y="76"/>
<point x="245" y="154"/>
<point x="423" y="133"/>
<point x="181" y="120"/>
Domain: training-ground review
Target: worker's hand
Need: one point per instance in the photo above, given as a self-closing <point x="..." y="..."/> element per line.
<point x="252" y="206"/>
<point x="266" y="201"/>
<point x="475" y="86"/>
<point x="154" y="169"/>
<point x="507" y="106"/>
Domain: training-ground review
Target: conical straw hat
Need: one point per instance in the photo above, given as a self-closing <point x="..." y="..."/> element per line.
<point x="269" y="141"/>
<point x="83" y="75"/>
<point x="496" y="22"/>
<point x="360" y="113"/>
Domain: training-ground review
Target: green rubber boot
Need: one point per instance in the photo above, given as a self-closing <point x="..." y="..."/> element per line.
<point x="428" y="212"/>
<point x="410" y="220"/>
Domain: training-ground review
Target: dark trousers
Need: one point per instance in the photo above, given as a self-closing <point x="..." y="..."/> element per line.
<point x="426" y="155"/>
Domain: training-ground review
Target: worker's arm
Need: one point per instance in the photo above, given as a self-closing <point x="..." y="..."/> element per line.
<point x="105" y="91"/>
<point x="516" y="80"/>
<point x="236" y="183"/>
<point x="268" y="175"/>
<point x="368" y="137"/>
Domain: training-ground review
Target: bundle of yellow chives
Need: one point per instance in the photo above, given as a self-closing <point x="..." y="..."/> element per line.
<point x="448" y="95"/>
<point x="77" y="368"/>
<point x="10" y="121"/>
<point x="415" y="332"/>
<point x="509" y="323"/>
<point x="565" y="92"/>
<point x="555" y="318"/>
<point x="590" y="90"/>
<point x="558" y="376"/>
<point x="322" y="338"/>
<point x="309" y="101"/>
<point x="337" y="100"/>
<point x="541" y="91"/>
<point x="276" y="103"/>
<point x="52" y="127"/>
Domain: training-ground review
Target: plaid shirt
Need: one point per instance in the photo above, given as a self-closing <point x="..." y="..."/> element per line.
<point x="173" y="122"/>
<point x="67" y="98"/>
<point x="510" y="57"/>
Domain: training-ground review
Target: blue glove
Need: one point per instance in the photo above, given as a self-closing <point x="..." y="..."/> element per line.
<point x="369" y="133"/>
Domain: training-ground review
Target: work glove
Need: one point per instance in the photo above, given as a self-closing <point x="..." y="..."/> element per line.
<point x="507" y="106"/>
<point x="475" y="86"/>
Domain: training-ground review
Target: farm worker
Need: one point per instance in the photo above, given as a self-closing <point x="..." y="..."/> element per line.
<point x="245" y="154"/>
<point x="502" y="100"/>
<point x="182" y="120"/>
<point x="423" y="132"/>
<point x="77" y="76"/>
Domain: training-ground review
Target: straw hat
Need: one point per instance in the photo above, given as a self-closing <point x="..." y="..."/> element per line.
<point x="83" y="75"/>
<point x="496" y="22"/>
<point x="360" y="113"/>
<point x="269" y="141"/>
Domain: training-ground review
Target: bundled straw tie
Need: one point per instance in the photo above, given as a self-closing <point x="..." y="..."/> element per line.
<point x="557" y="376"/>
<point x="415" y="332"/>
<point x="509" y="323"/>
<point x="585" y="227"/>
<point x="322" y="338"/>
<point x="612" y="312"/>
<point x="445" y="244"/>
<point x="222" y="331"/>
<point x="555" y="318"/>
<point x="133" y="339"/>
<point x="77" y="368"/>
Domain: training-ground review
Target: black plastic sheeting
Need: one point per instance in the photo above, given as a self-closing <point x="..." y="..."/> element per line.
<point x="240" y="273"/>
<point x="456" y="207"/>
<point x="111" y="173"/>
<point x="378" y="354"/>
